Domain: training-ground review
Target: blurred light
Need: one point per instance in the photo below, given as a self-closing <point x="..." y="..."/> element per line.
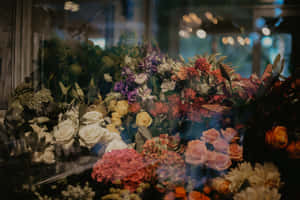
<point x="189" y="29"/>
<point x="260" y="22"/>
<point x="247" y="41"/>
<point x="267" y="41"/>
<point x="279" y="22"/>
<point x="254" y="36"/>
<point x="184" y="34"/>
<point x="99" y="42"/>
<point x="71" y="6"/>
<point x="195" y="18"/>
<point x="241" y="40"/>
<point x="208" y="15"/>
<point x="278" y="12"/>
<point x="225" y="40"/>
<point x="186" y="19"/>
<point x="215" y="21"/>
<point x="280" y="2"/>
<point x="201" y="33"/>
<point x="230" y="40"/>
<point x="266" y="31"/>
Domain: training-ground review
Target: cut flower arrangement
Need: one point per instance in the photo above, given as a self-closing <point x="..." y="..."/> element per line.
<point x="163" y="128"/>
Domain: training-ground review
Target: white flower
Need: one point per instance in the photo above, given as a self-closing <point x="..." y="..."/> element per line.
<point x="164" y="67"/>
<point x="127" y="60"/>
<point x="266" y="174"/>
<point x="46" y="157"/>
<point x="168" y="85"/>
<point x="92" y="117"/>
<point x="64" y="133"/>
<point x="258" y="193"/>
<point x="141" y="78"/>
<point x="115" y="145"/>
<point x="237" y="176"/>
<point x="203" y="88"/>
<point x="90" y="135"/>
<point x="107" y="77"/>
<point x="42" y="133"/>
<point x="145" y="93"/>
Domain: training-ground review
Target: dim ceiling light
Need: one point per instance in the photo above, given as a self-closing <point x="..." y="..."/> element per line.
<point x="225" y="40"/>
<point x="184" y="34"/>
<point x="241" y="40"/>
<point x="230" y="40"/>
<point x="247" y="41"/>
<point x="201" y="33"/>
<point x="186" y="19"/>
<point x="71" y="6"/>
<point x="208" y="15"/>
<point x="195" y="18"/>
<point x="266" y="31"/>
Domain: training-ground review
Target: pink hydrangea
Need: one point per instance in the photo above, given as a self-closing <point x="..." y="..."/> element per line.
<point x="125" y="166"/>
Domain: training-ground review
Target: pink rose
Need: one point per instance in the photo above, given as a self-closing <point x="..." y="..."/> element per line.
<point x="218" y="161"/>
<point x="221" y="145"/>
<point x="236" y="152"/>
<point x="196" y="152"/>
<point x="210" y="135"/>
<point x="229" y="134"/>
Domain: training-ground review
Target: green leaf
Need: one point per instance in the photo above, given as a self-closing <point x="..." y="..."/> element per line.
<point x="64" y="89"/>
<point x="221" y="59"/>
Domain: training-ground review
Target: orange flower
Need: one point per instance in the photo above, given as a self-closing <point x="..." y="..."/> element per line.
<point x="236" y="152"/>
<point x="182" y="73"/>
<point x="169" y="196"/>
<point x="277" y="137"/>
<point x="293" y="150"/>
<point x="180" y="192"/>
<point x="207" y="189"/>
<point x="195" y="195"/>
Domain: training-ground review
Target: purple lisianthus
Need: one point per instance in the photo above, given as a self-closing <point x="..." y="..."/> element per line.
<point x="132" y="95"/>
<point x="119" y="86"/>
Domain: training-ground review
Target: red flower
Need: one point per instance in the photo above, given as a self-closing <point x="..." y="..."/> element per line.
<point x="159" y="108"/>
<point x="189" y="93"/>
<point x="202" y="64"/>
<point x="217" y="98"/>
<point x="124" y="165"/>
<point x="218" y="75"/>
<point x="192" y="72"/>
<point x="174" y="99"/>
<point x="134" y="107"/>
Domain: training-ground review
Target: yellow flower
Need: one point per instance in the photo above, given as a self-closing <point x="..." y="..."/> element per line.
<point x="116" y="119"/>
<point x="122" y="107"/>
<point x="112" y="105"/>
<point x="143" y="119"/>
<point x="112" y="128"/>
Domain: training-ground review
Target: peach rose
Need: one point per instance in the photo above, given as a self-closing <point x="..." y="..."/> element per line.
<point x="221" y="145"/>
<point x="196" y="152"/>
<point x="218" y="161"/>
<point x="235" y="152"/>
<point x="210" y="135"/>
<point x="277" y="137"/>
<point x="143" y="119"/>
<point x="182" y="73"/>
<point x="229" y="134"/>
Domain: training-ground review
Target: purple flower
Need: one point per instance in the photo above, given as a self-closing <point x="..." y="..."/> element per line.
<point x="132" y="95"/>
<point x="119" y="86"/>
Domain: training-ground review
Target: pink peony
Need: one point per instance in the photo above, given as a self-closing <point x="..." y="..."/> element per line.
<point x="218" y="161"/>
<point x="221" y="145"/>
<point x="210" y="135"/>
<point x="196" y="152"/>
<point x="229" y="134"/>
<point x="236" y="152"/>
<point x="124" y="165"/>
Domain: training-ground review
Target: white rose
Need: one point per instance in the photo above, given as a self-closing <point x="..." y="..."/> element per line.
<point x="48" y="155"/>
<point x="92" y="117"/>
<point x="141" y="78"/>
<point x="110" y="136"/>
<point x="162" y="68"/>
<point x="91" y="135"/>
<point x="168" y="86"/>
<point x="64" y="133"/>
<point x="115" y="145"/>
<point x="107" y="77"/>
